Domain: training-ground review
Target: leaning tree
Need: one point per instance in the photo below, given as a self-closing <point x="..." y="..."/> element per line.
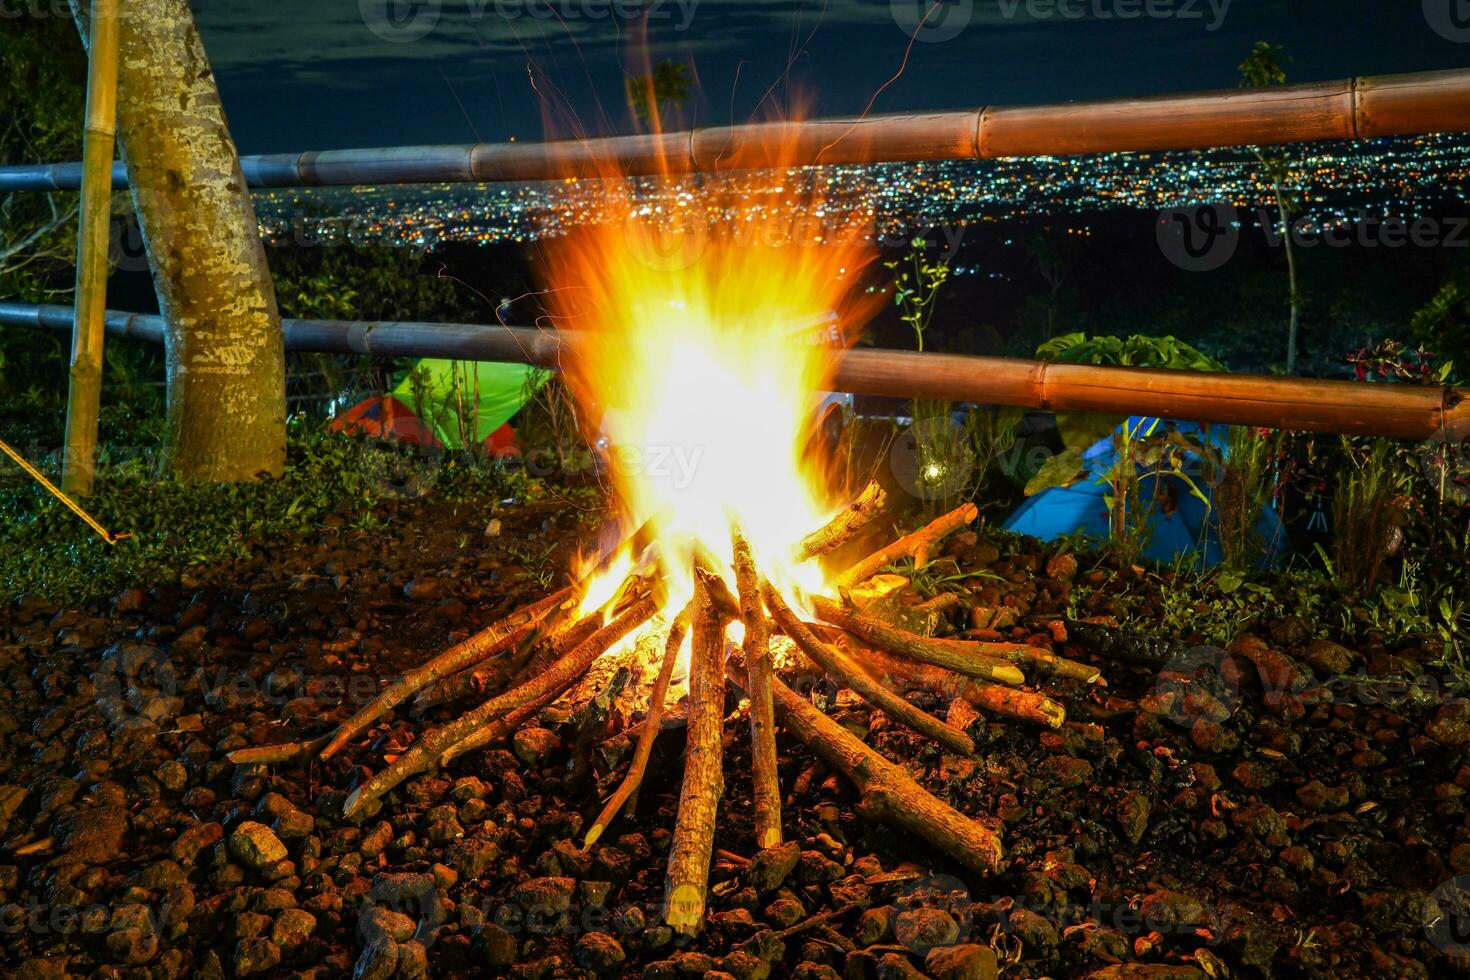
<point x="224" y="351"/>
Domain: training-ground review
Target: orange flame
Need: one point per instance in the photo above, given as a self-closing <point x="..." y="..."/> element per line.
<point x="698" y="350"/>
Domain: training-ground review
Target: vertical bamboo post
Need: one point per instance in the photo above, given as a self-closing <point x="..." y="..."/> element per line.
<point x="84" y="391"/>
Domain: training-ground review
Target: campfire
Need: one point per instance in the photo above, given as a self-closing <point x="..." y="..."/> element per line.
<point x="721" y="576"/>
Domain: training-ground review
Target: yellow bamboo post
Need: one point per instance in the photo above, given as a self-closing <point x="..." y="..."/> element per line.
<point x="84" y="392"/>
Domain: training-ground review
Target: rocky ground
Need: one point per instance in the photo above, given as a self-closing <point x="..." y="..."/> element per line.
<point x="1284" y="809"/>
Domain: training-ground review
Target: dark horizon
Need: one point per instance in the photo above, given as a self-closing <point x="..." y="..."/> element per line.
<point x="390" y="72"/>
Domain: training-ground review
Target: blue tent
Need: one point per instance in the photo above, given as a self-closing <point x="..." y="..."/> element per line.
<point x="1179" y="521"/>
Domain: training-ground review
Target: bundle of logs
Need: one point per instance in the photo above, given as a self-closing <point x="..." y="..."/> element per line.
<point x="545" y="650"/>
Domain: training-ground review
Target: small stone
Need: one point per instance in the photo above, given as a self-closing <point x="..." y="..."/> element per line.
<point x="1165" y="910"/>
<point x="1133" y="812"/>
<point x="468" y="788"/>
<point x="1067" y="770"/>
<point x="599" y="952"/>
<point x="294" y="825"/>
<point x="874" y="926"/>
<point x="377" y="922"/>
<point x="921" y="929"/>
<point x="499" y="945"/>
<point x="1035" y="931"/>
<point x="413" y="961"/>
<point x="93" y="835"/>
<point x="472" y="856"/>
<point x="788" y="911"/>
<point x="256" y="846"/>
<point x="771" y="866"/>
<point x="533" y="745"/>
<point x="292" y="928"/>
<point x="964" y="962"/>
<point x="256" y="956"/>
<point x="540" y="896"/>
<point x="892" y="966"/>
<point x="172" y="776"/>
<point x="378" y="960"/>
<point x="1063" y="568"/>
<point x="375" y="841"/>
<point x="422" y="589"/>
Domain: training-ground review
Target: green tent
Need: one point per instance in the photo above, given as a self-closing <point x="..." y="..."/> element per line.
<point x="435" y="389"/>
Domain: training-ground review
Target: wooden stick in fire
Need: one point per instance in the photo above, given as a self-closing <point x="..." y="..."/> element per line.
<point x="903" y="674"/>
<point x="919" y="546"/>
<point x="965" y="656"/>
<point x="687" y="883"/>
<point x="766" y="794"/>
<point x="502" y="636"/>
<point x="889" y="794"/>
<point x="838" y="664"/>
<point x="496" y="638"/>
<point x="425" y="754"/>
<point x="842" y="528"/>
<point x="649" y="732"/>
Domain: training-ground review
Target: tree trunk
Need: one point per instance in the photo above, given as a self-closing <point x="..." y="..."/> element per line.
<point x="224" y="349"/>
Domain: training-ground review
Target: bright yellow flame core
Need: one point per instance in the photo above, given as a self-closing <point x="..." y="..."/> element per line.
<point x="702" y="363"/>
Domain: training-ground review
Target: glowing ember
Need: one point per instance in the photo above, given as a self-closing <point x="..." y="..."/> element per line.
<point x="697" y="355"/>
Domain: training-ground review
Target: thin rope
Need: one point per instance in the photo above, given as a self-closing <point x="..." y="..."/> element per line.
<point x="56" y="492"/>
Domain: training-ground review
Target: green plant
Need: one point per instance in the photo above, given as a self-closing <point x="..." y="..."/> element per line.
<point x="1366" y="510"/>
<point x="1244" y="486"/>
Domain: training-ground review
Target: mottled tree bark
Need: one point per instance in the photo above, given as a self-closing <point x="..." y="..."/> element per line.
<point x="223" y="344"/>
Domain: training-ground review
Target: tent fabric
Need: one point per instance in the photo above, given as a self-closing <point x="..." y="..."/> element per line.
<point x="502" y="390"/>
<point x="384" y="417"/>
<point x="1185" y="530"/>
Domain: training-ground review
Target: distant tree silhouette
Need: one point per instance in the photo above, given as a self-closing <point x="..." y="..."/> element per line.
<point x="1265" y="67"/>
<point x="668" y="85"/>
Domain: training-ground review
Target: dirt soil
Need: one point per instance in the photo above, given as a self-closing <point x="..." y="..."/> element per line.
<point x="1280" y="810"/>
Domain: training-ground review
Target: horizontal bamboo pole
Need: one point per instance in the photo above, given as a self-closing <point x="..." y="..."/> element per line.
<point x="1396" y="411"/>
<point x="1354" y="108"/>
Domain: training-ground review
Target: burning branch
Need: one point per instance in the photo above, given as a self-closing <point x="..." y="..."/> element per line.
<point x="845" y="526"/>
<point x="629" y="786"/>
<point x="687" y="883"/>
<point x="502" y="636"/>
<point x="919" y="546"/>
<point x="766" y="791"/>
<point x="903" y="674"/>
<point x="965" y="656"/>
<point x="836" y="663"/>
<point x="889" y="794"/>
<point x="427" y="752"/>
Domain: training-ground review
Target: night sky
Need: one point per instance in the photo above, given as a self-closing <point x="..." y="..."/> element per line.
<point x="320" y="74"/>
